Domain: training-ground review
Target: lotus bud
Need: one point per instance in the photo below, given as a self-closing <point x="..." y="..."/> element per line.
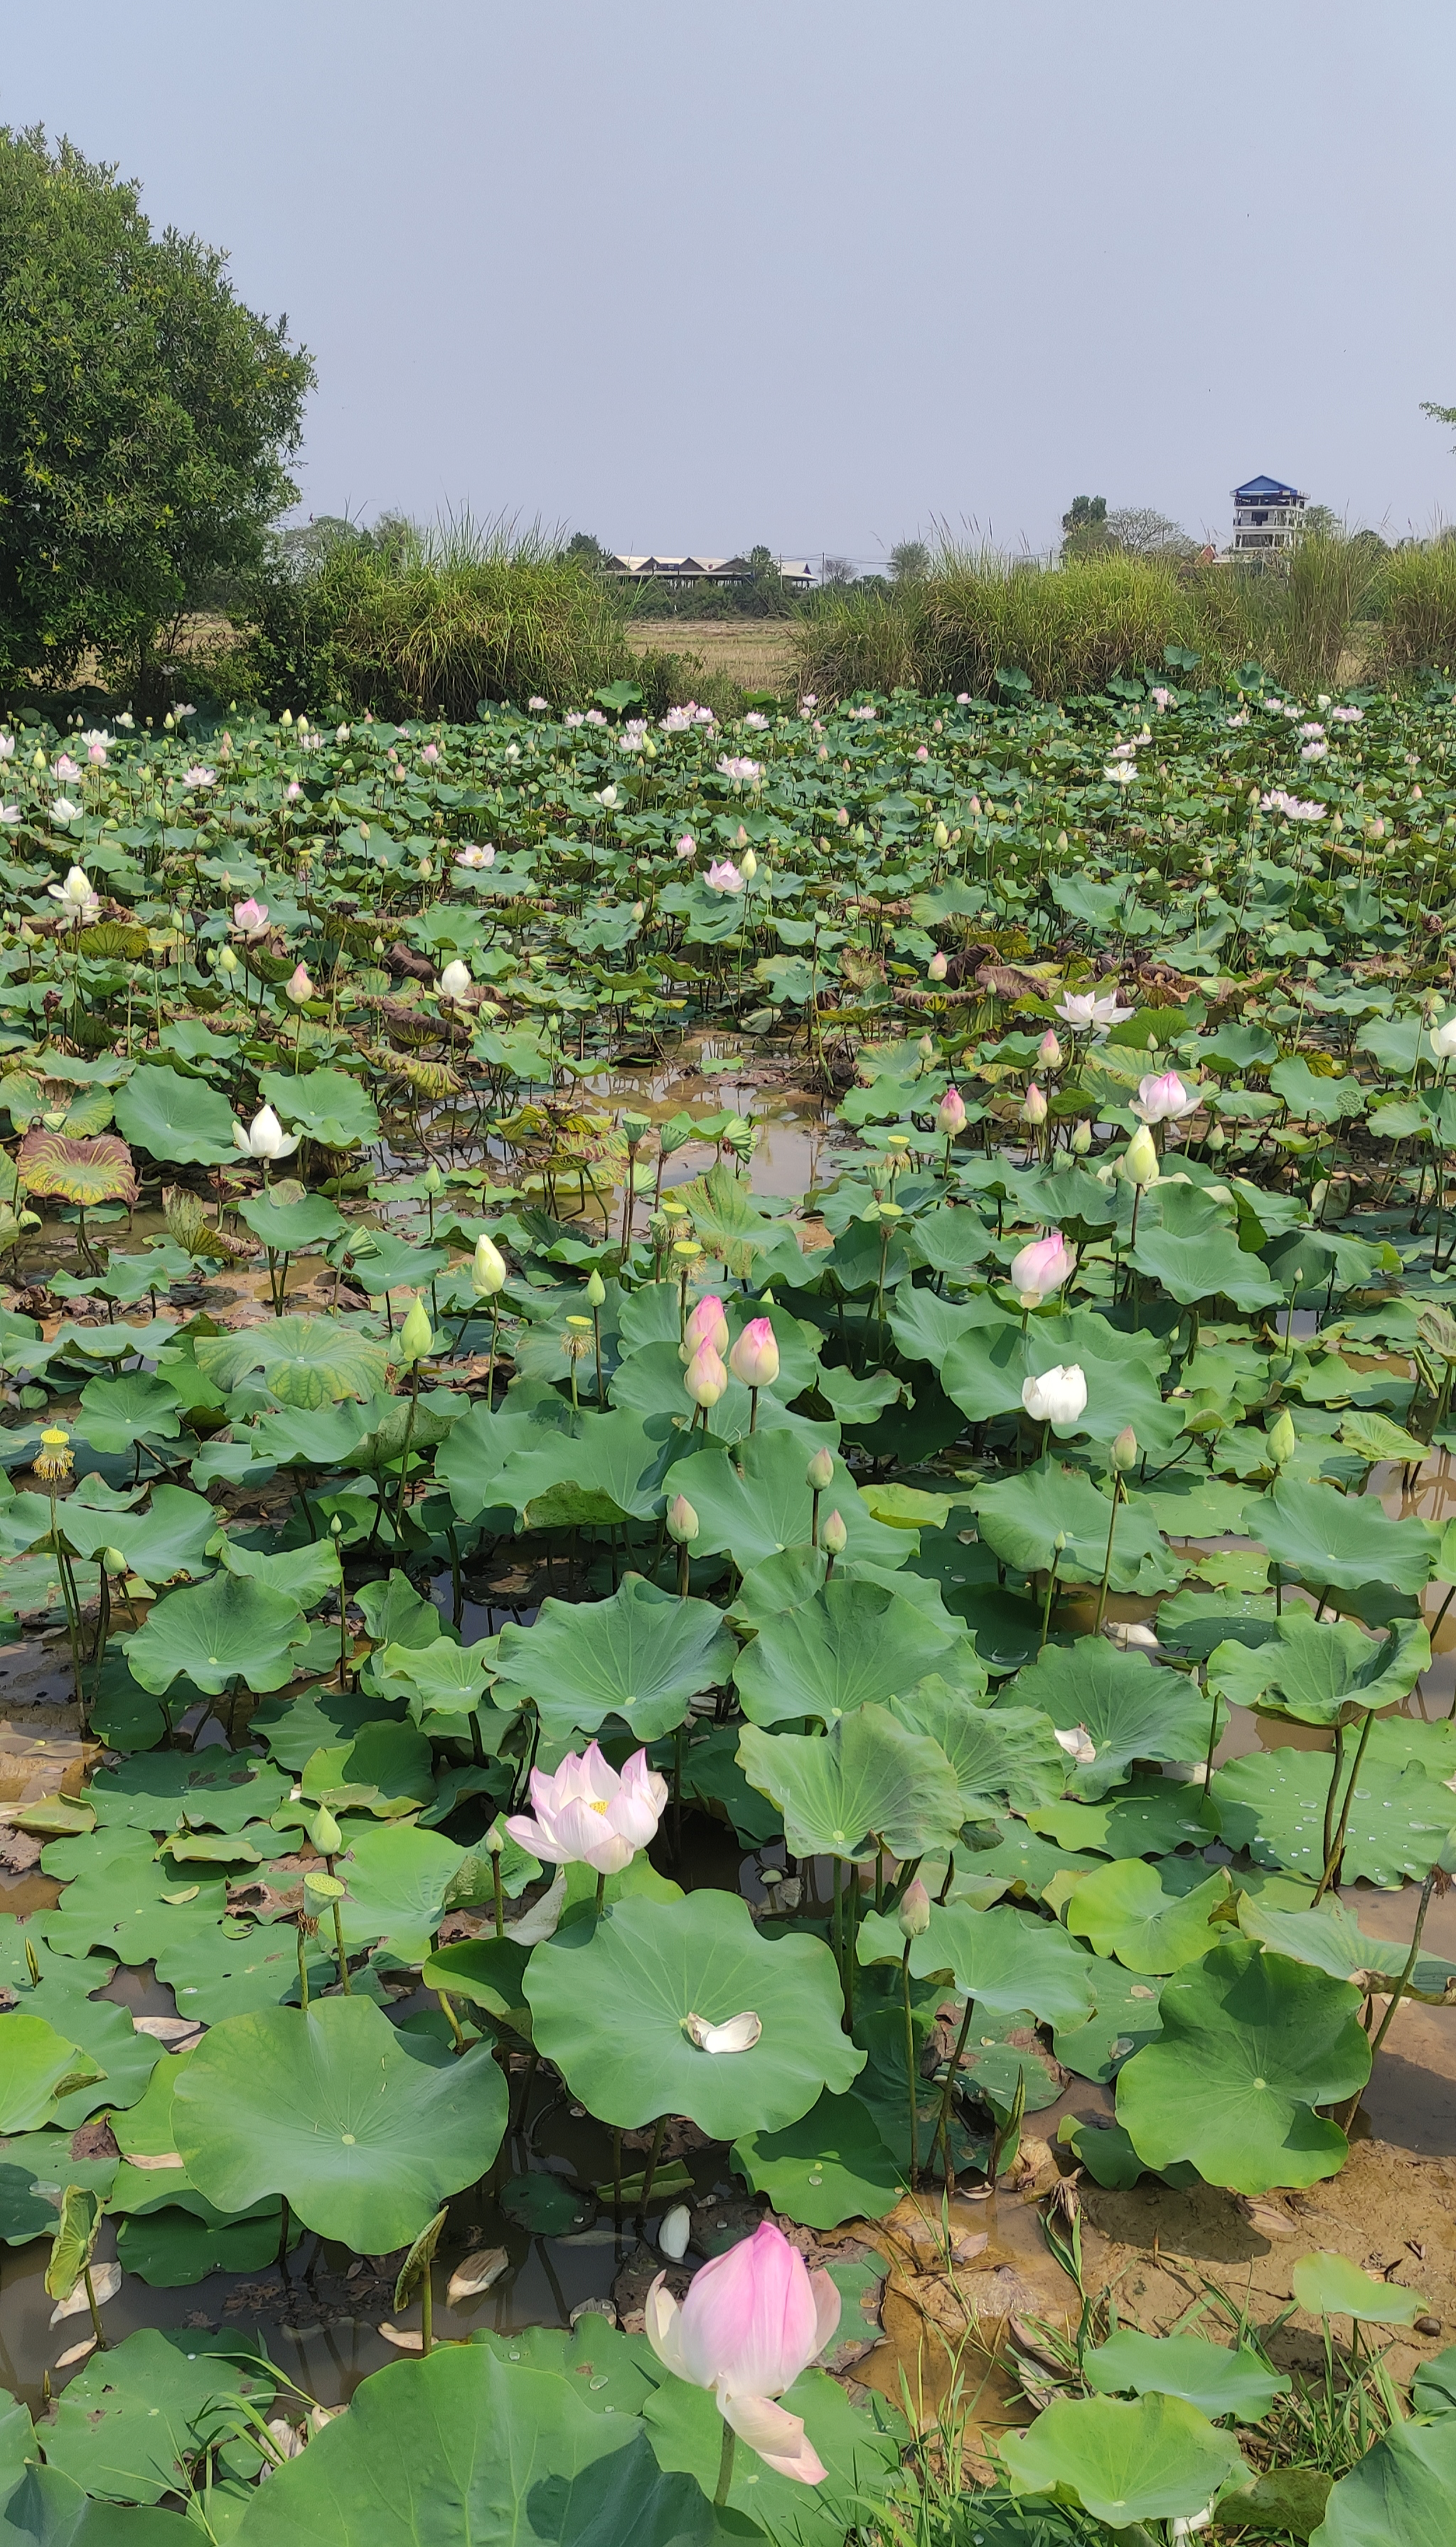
<point x="949" y="1114"/>
<point x="487" y="1268"/>
<point x="1081" y="1139"/>
<point x="706" y="1325"/>
<point x="682" y="1521"/>
<point x="747" y="866"/>
<point x="1034" y="1108"/>
<point x="755" y="1358"/>
<point x="821" y="1472"/>
<point x="705" y="1378"/>
<point x="835" y="1536"/>
<point x="1125" y="1451"/>
<point x="1140" y="1159"/>
<point x="936" y="968"/>
<point x="455" y="981"/>
<point x="940" y="836"/>
<point x="495" y="1840"/>
<point x="298" y="986"/>
<point x="914" y="1910"/>
<point x="325" y="1833"/>
<point x="416" y="1335"/>
<point x="227" y="960"/>
<point x="113" y="1560"/>
<point x="1041" y="1267"/>
<point x="1282" y="1438"/>
<point x="1217" y="1138"/>
<point x="596" y="1289"/>
<point x="927" y="1048"/>
<point x="1049" y="1051"/>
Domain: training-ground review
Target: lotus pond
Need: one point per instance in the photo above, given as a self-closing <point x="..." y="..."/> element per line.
<point x="724" y="1451"/>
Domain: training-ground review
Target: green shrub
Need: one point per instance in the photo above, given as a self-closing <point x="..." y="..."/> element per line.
<point x="862" y="641"/>
<point x="1067" y="628"/>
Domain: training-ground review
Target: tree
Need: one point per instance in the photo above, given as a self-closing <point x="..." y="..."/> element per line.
<point x="145" y="417"/>
<point x="1088" y="514"/>
<point x="910" y="562"/>
<point x="763" y="596"/>
<point x="1140" y="532"/>
<point x="588" y="552"/>
<point x="1438" y="415"/>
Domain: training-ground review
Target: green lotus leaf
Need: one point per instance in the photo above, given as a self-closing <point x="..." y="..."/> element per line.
<point x="1315" y="1670"/>
<point x="171" y="2249"/>
<point x="1272" y="1802"/>
<point x="364" y="2130"/>
<point x="121" y="1896"/>
<point x="469" y="2449"/>
<point x="1151" y="1817"/>
<point x="1186" y="1244"/>
<point x="320" y="1718"/>
<point x="116" y="1414"/>
<point x="384" y="1261"/>
<point x="132" y="2419"/>
<point x="1214" y="2377"/>
<point x="1132" y="1709"/>
<point x="1333" y="1941"/>
<point x="1006" y="1756"/>
<point x="757" y="1499"/>
<point x="226" y="1629"/>
<point x="829" y="2167"/>
<point x="228" y="1971"/>
<point x="490" y="1972"/>
<point x="327" y="1105"/>
<point x="1398" y="2494"/>
<point x="1329" y="2285"/>
<point x="1341" y="1542"/>
<point x="1250" y="2045"/>
<point x="858" y="2448"/>
<point x="985" y="1369"/>
<point x="291" y="1228"/>
<point x="866" y="1783"/>
<point x="1125" y="2017"/>
<point x="1158" y="2459"/>
<point x="1007" y="1960"/>
<point x="397" y="1877"/>
<point x="47" y="2510"/>
<point x="1123" y="1910"/>
<point x="306" y="1361"/>
<point x="122" y="2059"/>
<point x="1434" y="2389"/>
<point x="850" y="1644"/>
<point x="641" y="1655"/>
<point x="304" y="1575"/>
<point x="176" y="1119"/>
<point x="610" y="1999"/>
<point x="451" y="1679"/>
<point x="1104" y="2150"/>
<point x="1021" y="1517"/>
<point x="39" y="2065"/>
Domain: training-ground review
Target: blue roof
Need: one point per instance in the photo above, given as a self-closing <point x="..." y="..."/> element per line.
<point x="1257" y="488"/>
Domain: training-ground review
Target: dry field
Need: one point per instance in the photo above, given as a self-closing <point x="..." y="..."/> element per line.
<point x="754" y="651"/>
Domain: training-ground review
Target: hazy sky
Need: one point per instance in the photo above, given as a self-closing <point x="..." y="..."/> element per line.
<point x="695" y="273"/>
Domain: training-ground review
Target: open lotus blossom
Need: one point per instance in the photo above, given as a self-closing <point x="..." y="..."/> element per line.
<point x="197" y="776"/>
<point x="1442" y="1037"/>
<point x="265" y="1137"/>
<point x="1315" y="750"/>
<point x="1041" y="1267"/>
<point x="755" y="1358"/>
<point x="584" y="1813"/>
<point x="63" y="811"/>
<point x="705" y="1325"/>
<point x="1078" y="1745"/>
<point x="754" y="2318"/>
<point x="473" y="855"/>
<point x="9" y="813"/>
<point x="739" y="2034"/>
<point x="250" y="918"/>
<point x="739" y="768"/>
<point x="77" y="896"/>
<point x="1057" y="1397"/>
<point x="1091" y="1009"/>
<point x="1163" y="700"/>
<point x="1121" y="772"/>
<point x="1162" y="1099"/>
<point x="64" y="768"/>
<point x="298" y="986"/>
<point x="7" y="747"/>
<point x="537" y="706"/>
<point x="724" y="877"/>
<point x="754" y="722"/>
<point x="1295" y="809"/>
<point x="1346" y="715"/>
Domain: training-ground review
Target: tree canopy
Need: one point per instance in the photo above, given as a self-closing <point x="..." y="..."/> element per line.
<point x="146" y="416"/>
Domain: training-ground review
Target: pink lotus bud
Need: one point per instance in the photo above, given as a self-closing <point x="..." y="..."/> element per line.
<point x="705" y="1378"/>
<point x="753" y="2319"/>
<point x="821" y="1472"/>
<point x="914" y="1909"/>
<point x="1034" y="1108"/>
<point x="950" y="1113"/>
<point x="1162" y="1099"/>
<point x="1049" y="1051"/>
<point x="835" y="1536"/>
<point x="682" y="1521"/>
<point x="755" y="1358"/>
<point x="706" y="1325"/>
<point x="1042" y="1268"/>
<point x="298" y="986"/>
<point x="937" y="968"/>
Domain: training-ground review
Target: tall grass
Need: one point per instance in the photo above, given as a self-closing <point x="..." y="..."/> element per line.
<point x="1067" y="626"/>
<point x="861" y="641"/>
<point x="1294" y="618"/>
<point x="1417" y="609"/>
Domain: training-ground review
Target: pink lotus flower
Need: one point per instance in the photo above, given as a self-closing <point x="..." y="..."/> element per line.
<point x="473" y="855"/>
<point x="1042" y="1268"/>
<point x="687" y="847"/>
<point x="64" y="768"/>
<point x="294" y="788"/>
<point x="96" y="755"/>
<point x="752" y="2320"/>
<point x="250" y="918"/>
<point x="537" y="705"/>
<point x="431" y="752"/>
<point x="1049" y="1051"/>
<point x="949" y="1114"/>
<point x="706" y="1325"/>
<point x="585" y="1814"/>
<point x="922" y="752"/>
<point x="705" y="1378"/>
<point x="197" y="776"/>
<point x="755" y="1358"/>
<point x="724" y="877"/>
<point x="298" y="986"/>
<point x="1034" y="1108"/>
<point x="1162" y="1099"/>
<point x="937" y="968"/>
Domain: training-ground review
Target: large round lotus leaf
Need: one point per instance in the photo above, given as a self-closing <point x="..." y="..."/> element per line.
<point x="471" y="2450"/>
<point x="757" y="1499"/>
<point x="226" y="1629"/>
<point x="130" y="2418"/>
<point x="583" y="1467"/>
<point x="121" y="1896"/>
<point x="1398" y="2494"/>
<point x="327" y="1105"/>
<point x="35" y="2066"/>
<point x="641" y="1655"/>
<point x="852" y="1642"/>
<point x="1021" y="1517"/>
<point x="117" y="1413"/>
<point x="47" y="2510"/>
<point x="171" y="2249"/>
<point x="1006" y="1961"/>
<point x="1124" y="2018"/>
<point x="306" y="1361"/>
<point x="105" y="2033"/>
<point x="1133" y="1709"/>
<point x="1151" y="1817"/>
<point x="1250" y="2045"/>
<point x="1314" y="1670"/>
<point x="984" y="1370"/>
<point x="859" y="2450"/>
<point x="1272" y="1802"/>
<point x="1157" y="2460"/>
<point x="1333" y="1941"/>
<point x="286" y="1228"/>
<point x="176" y="1118"/>
<point x="397" y="1877"/>
<point x="1002" y="1756"/>
<point x="609" y="2003"/>
<point x="362" y="2129"/>
<point x="830" y="2165"/>
<point x="1341" y="1541"/>
<point x="1216" y="2378"/>
<point x="1122" y="1909"/>
<point x="213" y="1974"/>
<point x="1329" y="2285"/>
<point x="868" y="1781"/>
<point x="170" y="1538"/>
<point x="1186" y="1244"/>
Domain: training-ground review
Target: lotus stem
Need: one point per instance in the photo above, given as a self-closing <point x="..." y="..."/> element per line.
<point x="345" y="1983"/>
<point x="1337" y="1851"/>
<point x="284" y="2228"/>
<point x="1117" y="1490"/>
<point x="1327" y="1834"/>
<point x="725" y="2466"/>
<point x="96" y="2325"/>
<point x="427" y="2311"/>
<point x="601" y="1902"/>
<point x="654" y="2156"/>
<point x="947" y="2098"/>
<point x="414" y="1392"/>
<point x="1401" y="1985"/>
<point x="499" y="1897"/>
<point x="303" y="1966"/>
<point x="904" y="1987"/>
<point x="451" y="2019"/>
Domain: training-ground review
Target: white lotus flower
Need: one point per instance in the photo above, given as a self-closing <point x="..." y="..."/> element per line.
<point x="77" y="897"/>
<point x="63" y="811"/>
<point x="265" y="1137"/>
<point x="740" y="2034"/>
<point x="455" y="981"/>
<point x="1078" y="1745"/>
<point x="1057" y="1396"/>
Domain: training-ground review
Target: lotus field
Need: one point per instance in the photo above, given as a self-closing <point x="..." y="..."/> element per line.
<point x="628" y="1723"/>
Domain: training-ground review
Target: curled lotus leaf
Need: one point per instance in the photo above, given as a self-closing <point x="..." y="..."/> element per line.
<point x="82" y="1172"/>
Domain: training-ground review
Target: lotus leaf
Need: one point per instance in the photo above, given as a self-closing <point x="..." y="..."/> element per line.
<point x="1215" y="2378"/>
<point x="1002" y="1756"/>
<point x="1341" y="1542"/>
<point x="79" y="1171"/>
<point x="122" y="2059"/>
<point x="1125" y="2017"/>
<point x="1250" y="2045"/>
<point x="171" y="2249"/>
<point x="288" y="1228"/>
<point x="1132" y="1708"/>
<point x="224" y="1630"/>
<point x="858" y="2449"/>
<point x="1329" y="2285"/>
<point x="132" y="2419"/>
<point x="610" y="1999"/>
<point x="1158" y="2459"/>
<point x="1152" y="1818"/>
<point x="1008" y="1962"/>
<point x="327" y="1105"/>
<point x="1022" y="1517"/>
<point x="641" y="1655"/>
<point x="170" y="1538"/>
<point x="364" y="2130"/>
<point x="39" y="2066"/>
<point x="1316" y="1671"/>
<point x="119" y="1897"/>
<point x="1272" y="1802"/>
<point x="1333" y="1941"/>
<point x="1123" y="1910"/>
<point x="758" y="1501"/>
<point x="829" y="2167"/>
<point x="850" y="1644"/>
<point x="1186" y="1244"/>
<point x="397" y="1880"/>
<point x="1398" y="2494"/>
<point x="306" y="1361"/>
<point x="116" y="1414"/>
<point x="304" y="1575"/>
<point x="233" y="1969"/>
<point x="175" y="1118"/>
<point x="868" y="1781"/>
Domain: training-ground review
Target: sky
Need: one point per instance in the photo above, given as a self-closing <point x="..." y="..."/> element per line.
<point x="828" y="274"/>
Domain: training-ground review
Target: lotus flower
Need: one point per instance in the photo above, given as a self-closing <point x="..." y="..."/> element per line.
<point x="705" y="1378"/>
<point x="1162" y="1099"/>
<point x="949" y="1114"/>
<point x="1442" y="1038"/>
<point x="1057" y="1397"/>
<point x="9" y="813"/>
<point x="1042" y="1268"/>
<point x="63" y="811"/>
<point x="705" y="1325"/>
<point x="1121" y="772"/>
<point x="937" y="968"/>
<point x="297" y="987"/>
<point x="537" y="706"/>
<point x="1078" y="1745"/>
<point x="487" y="1268"/>
<point x="739" y="2034"/>
<point x="687" y="847"/>
<point x="1139" y="1161"/>
<point x="455" y="981"/>
<point x="199" y="777"/>
<point x="7" y="747"/>
<point x="755" y="1358"/>
<point x="585" y="1814"/>
<point x="265" y="1137"/>
<point x="473" y="855"/>
<point x="250" y="918"/>
<point x="1088" y="1008"/>
<point x="724" y="877"/>
<point x="64" y="768"/>
<point x="77" y="897"/>
<point x="1034" y="1108"/>
<point x="752" y="2320"/>
<point x="743" y="770"/>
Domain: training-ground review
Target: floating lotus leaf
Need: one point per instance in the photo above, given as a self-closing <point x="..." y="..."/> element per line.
<point x="305" y="1575"/>
<point x="118" y="1413"/>
<point x="224" y="1630"/>
<point x="119" y="1897"/>
<point x="868" y="1781"/>
<point x="1125" y="2017"/>
<point x="172" y="2248"/>
<point x="327" y="1105"/>
<point x="1250" y="2045"/>
<point x="1398" y="2494"/>
<point x="849" y="1644"/>
<point x="829" y="2167"/>
<point x="1316" y="1670"/>
<point x="176" y="1119"/>
<point x="122" y="2059"/>
<point x="39" y="2066"/>
<point x="1338" y="1541"/>
<point x="170" y="1538"/>
<point x="1132" y="1709"/>
<point x="1333" y="1941"/>
<point x="396" y="1878"/>
<point x="609" y="2000"/>
<point x="641" y="1655"/>
<point x="1216" y="2378"/>
<point x="79" y="1171"/>
<point x="1123" y="1910"/>
<point x="132" y="2418"/>
<point x="1157" y="2460"/>
<point x="1152" y="1818"/>
<point x="362" y="2129"/>
<point x="306" y="1361"/>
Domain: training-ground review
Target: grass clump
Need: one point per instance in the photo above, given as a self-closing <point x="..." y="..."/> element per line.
<point x="1418" y="607"/>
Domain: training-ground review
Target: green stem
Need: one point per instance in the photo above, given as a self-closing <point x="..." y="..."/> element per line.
<point x="1107" y="1560"/>
<point x="499" y="1900"/>
<point x="905" y="1984"/>
<point x="1337" y="1851"/>
<point x="1046" y="1606"/>
<point x="654" y="2156"/>
<point x="947" y="2095"/>
<point x="414" y="1391"/>
<point x="601" y="1895"/>
<point x="427" y="2312"/>
<point x="725" y="2466"/>
<point x="1328" y="1833"/>
<point x="302" y="1969"/>
<point x="1403" y="1984"/>
<point x="454" y="2026"/>
<point x="343" y="1960"/>
<point x="95" y="2311"/>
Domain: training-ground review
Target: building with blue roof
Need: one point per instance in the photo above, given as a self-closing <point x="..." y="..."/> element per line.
<point x="1266" y="516"/>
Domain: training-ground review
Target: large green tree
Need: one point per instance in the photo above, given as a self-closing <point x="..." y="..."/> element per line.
<point x="146" y="418"/>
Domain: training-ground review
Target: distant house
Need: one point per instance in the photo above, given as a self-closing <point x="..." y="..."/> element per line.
<point x="680" y="573"/>
<point x="1266" y="515"/>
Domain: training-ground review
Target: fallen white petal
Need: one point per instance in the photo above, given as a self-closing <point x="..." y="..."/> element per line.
<point x="541" y="1921"/>
<point x="476" y="2274"/>
<point x="175" y="2031"/>
<point x="77" y="2352"/>
<point x="106" y="2281"/>
<point x="152" y="2161"/>
<point x="402" y="2338"/>
<point x="740" y="2034"/>
<point x="672" y="2237"/>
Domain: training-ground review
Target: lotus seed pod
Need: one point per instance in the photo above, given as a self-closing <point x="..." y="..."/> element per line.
<point x="834" y="1536"/>
<point x="821" y="1473"/>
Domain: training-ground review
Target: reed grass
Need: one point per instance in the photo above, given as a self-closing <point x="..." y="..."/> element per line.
<point x="1417" y="596"/>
